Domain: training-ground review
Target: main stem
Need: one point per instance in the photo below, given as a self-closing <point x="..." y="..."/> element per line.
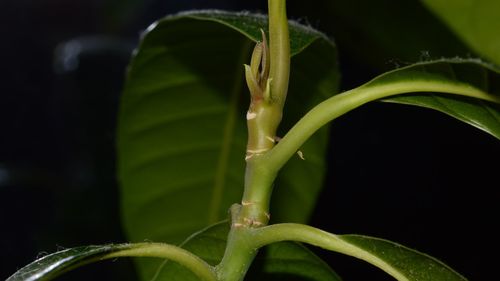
<point x="268" y="96"/>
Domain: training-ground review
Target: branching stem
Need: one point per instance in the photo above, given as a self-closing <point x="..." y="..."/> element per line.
<point x="311" y="235"/>
<point x="268" y="91"/>
<point x="342" y="103"/>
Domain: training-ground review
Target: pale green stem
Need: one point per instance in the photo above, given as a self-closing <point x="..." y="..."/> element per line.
<point x="311" y="235"/>
<point x="344" y="102"/>
<point x="159" y="250"/>
<point x="263" y="118"/>
<point x="279" y="47"/>
<point x="239" y="253"/>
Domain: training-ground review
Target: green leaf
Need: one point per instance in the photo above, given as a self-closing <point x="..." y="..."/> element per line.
<point x="400" y="262"/>
<point x="467" y="73"/>
<point x="469" y="90"/>
<point x="279" y="261"/>
<point x="53" y="265"/>
<point x="476" y="22"/>
<point x="182" y="126"/>
<point x="405" y="264"/>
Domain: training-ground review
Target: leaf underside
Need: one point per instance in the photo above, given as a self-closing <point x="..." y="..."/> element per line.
<point x="182" y="126"/>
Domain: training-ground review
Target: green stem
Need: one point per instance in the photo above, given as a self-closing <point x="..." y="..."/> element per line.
<point x="239" y="252"/>
<point x="159" y="250"/>
<point x="311" y="235"/>
<point x="264" y="118"/>
<point x="268" y="96"/>
<point x="279" y="47"/>
<point x="251" y="214"/>
<point x="344" y="102"/>
<point x="268" y="91"/>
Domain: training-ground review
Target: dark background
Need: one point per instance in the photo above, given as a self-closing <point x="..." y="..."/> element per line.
<point x="398" y="172"/>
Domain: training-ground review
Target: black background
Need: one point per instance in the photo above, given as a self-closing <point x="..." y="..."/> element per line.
<point x="398" y="172"/>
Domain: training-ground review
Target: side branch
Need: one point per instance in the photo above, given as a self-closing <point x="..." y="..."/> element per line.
<point x="342" y="103"/>
<point x="159" y="250"/>
<point x="316" y="237"/>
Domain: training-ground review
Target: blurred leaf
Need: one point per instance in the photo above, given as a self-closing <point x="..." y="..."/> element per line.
<point x="290" y="261"/>
<point x="477" y="23"/>
<point x="279" y="261"/>
<point x="117" y="15"/>
<point x="455" y="72"/>
<point x="55" y="264"/>
<point x="182" y="126"/>
<point x="378" y="34"/>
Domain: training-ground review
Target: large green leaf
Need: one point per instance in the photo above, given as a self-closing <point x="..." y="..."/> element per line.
<point x="182" y="125"/>
<point x="182" y="130"/>
<point x="476" y="22"/>
<point x="279" y="261"/>
<point x="467" y="73"/>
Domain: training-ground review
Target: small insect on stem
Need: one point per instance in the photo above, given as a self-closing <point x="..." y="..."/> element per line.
<point x="251" y="115"/>
<point x="246" y="203"/>
<point x="301" y="155"/>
